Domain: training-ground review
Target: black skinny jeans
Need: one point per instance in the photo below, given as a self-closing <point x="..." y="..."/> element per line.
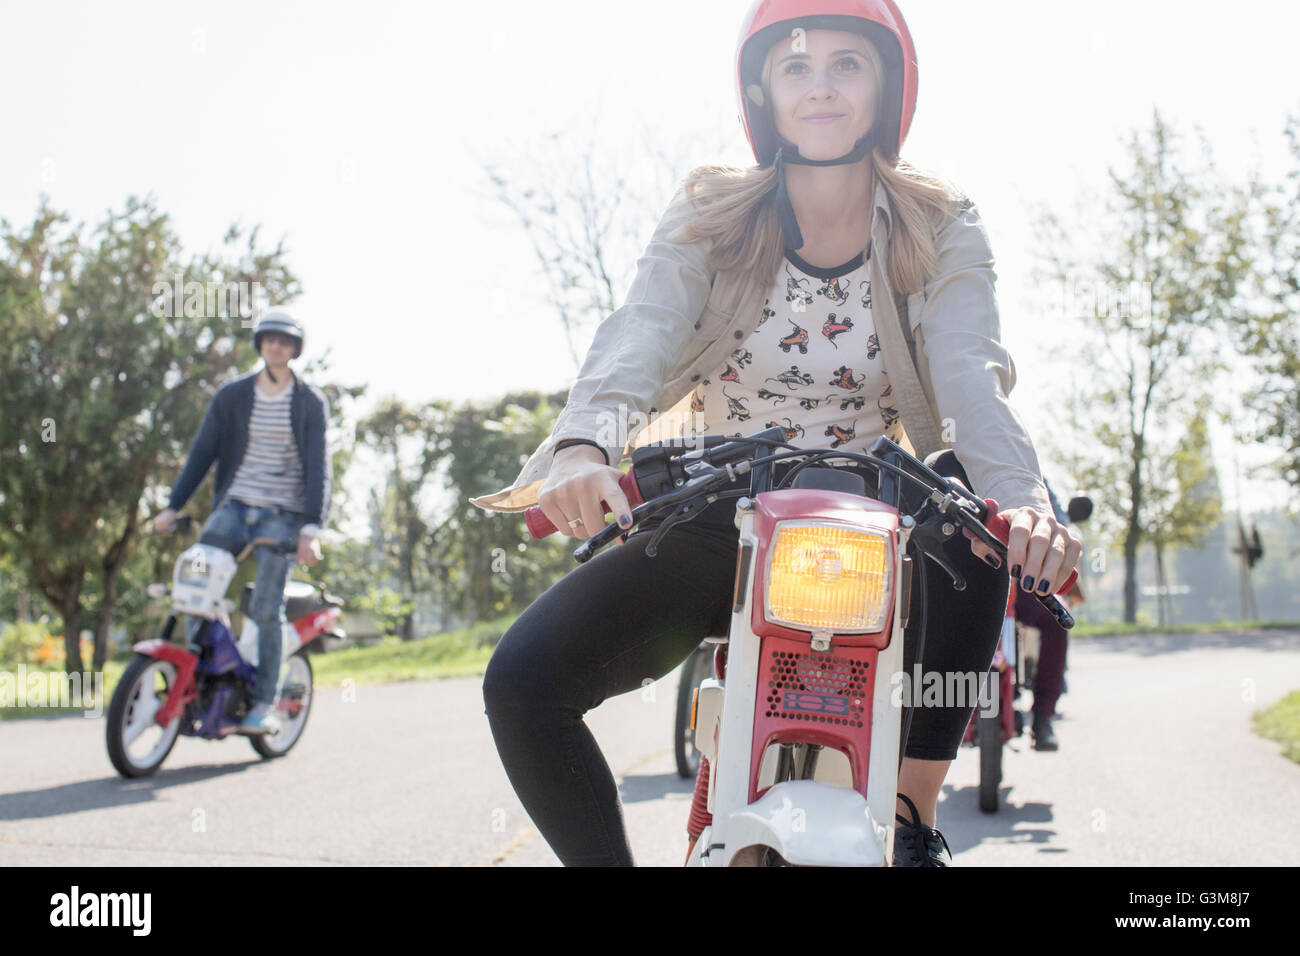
<point x="621" y="619"/>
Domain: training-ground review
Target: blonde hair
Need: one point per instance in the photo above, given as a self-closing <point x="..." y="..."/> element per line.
<point x="737" y="211"/>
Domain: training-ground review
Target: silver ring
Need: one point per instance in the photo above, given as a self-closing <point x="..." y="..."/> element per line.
<point x="575" y="523"/>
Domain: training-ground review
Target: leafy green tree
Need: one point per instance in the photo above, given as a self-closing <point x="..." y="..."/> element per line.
<point x="490" y="564"/>
<point x="103" y="380"/>
<point x="1174" y="251"/>
<point x="405" y="439"/>
<point x="1184" y="503"/>
<point x="391" y="609"/>
<point x="1270" y="333"/>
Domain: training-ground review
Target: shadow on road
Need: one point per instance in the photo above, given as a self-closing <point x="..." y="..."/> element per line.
<point x="106" y="792"/>
<point x="967" y="826"/>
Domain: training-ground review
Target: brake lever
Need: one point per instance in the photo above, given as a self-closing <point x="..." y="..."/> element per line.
<point x="930" y="532"/>
<point x="693" y="487"/>
<point x="587" y="550"/>
<point x="974" y="523"/>
<point x="685" y="512"/>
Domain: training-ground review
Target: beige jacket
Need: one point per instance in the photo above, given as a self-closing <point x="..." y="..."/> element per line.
<point x="949" y="371"/>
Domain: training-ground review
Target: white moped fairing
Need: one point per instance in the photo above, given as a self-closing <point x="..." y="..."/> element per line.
<point x="200" y="578"/>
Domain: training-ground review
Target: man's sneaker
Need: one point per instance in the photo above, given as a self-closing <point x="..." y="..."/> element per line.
<point x="916" y="844"/>
<point x="1044" y="739"/>
<point x="260" y="720"/>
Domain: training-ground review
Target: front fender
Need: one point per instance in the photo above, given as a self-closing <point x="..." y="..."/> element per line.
<point x="185" y="662"/>
<point x="166" y="650"/>
<point x="809" y="824"/>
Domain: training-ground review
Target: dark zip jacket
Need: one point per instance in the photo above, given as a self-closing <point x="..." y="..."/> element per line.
<point x="223" y="437"/>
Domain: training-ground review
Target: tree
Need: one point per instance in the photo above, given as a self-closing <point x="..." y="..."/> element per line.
<point x="572" y="222"/>
<point x="1184" y="501"/>
<point x="1162" y="279"/>
<point x="490" y="565"/>
<point x="1270" y="333"/>
<point x="588" y="213"/>
<point x="103" y="379"/>
<point x="405" y="438"/>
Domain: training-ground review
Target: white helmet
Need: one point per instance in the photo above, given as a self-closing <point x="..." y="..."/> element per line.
<point x="278" y="321"/>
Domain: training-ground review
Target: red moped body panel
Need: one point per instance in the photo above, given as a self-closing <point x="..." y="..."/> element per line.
<point x="316" y="623"/>
<point x="804" y="695"/>
<point x="185" y="662"/>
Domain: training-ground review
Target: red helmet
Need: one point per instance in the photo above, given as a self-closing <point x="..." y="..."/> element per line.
<point x="880" y="21"/>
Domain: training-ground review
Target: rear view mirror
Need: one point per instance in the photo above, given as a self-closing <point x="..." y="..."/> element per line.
<point x="1079" y="509"/>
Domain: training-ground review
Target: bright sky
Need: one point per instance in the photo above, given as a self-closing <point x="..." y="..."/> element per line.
<point x="357" y="132"/>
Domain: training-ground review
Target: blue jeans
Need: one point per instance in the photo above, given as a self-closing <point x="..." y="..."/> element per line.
<point x="231" y="526"/>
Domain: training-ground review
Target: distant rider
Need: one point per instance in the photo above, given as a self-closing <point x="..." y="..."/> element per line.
<point x="266" y="431"/>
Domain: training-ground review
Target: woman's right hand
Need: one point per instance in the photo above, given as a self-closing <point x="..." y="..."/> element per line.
<point x="579" y="480"/>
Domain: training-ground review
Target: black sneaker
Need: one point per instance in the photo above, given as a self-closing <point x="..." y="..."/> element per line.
<point x="916" y="844"/>
<point x="1044" y="739"/>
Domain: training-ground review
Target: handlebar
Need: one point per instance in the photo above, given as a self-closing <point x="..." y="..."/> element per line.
<point x="248" y="548"/>
<point x="539" y="526"/>
<point x="654" y="474"/>
<point x="673" y="479"/>
<point x="185" y="523"/>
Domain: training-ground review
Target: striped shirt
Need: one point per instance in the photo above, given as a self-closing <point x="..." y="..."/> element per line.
<point x="271" y="472"/>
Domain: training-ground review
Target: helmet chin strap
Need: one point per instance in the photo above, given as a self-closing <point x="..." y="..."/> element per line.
<point x="788" y="152"/>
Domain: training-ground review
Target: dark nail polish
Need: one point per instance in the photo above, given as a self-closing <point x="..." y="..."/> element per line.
<point x="624" y="520"/>
<point x="1044" y="586"/>
<point x="992" y="560"/>
<point x="1015" y="571"/>
<point x="1027" y="582"/>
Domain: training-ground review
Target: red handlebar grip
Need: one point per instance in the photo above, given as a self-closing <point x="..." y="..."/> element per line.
<point x="1000" y="528"/>
<point x="539" y="526"/>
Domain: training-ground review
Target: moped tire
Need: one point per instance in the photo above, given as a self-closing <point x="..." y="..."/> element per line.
<point x="988" y="732"/>
<point x="271" y="746"/>
<point x="129" y="695"/>
<point x="698" y="666"/>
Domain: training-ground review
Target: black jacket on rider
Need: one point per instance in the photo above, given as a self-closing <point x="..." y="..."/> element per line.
<point x="223" y="437"/>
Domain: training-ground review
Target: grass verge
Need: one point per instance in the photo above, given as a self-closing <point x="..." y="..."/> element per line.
<point x="462" y="653"/>
<point x="1281" y="722"/>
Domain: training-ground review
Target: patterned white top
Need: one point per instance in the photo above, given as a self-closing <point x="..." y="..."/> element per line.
<point x="271" y="472"/>
<point x="812" y="365"/>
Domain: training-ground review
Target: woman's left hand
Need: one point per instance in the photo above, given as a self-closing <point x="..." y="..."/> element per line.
<point x="1041" y="552"/>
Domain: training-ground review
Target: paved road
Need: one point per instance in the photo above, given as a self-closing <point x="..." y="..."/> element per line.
<point x="1158" y="766"/>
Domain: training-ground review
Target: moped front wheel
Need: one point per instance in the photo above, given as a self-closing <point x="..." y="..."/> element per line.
<point x="292" y="709"/>
<point x="137" y="744"/>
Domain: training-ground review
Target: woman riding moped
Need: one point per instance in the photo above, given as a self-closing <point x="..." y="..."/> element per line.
<point x="833" y="289"/>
